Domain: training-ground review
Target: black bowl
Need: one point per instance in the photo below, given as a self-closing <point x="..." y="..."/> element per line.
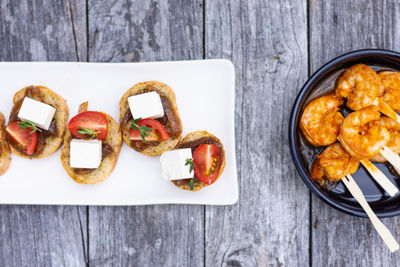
<point x="337" y="196"/>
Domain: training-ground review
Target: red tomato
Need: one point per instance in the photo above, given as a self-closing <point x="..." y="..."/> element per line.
<point x="158" y="132"/>
<point x="24" y="138"/>
<point x="91" y="120"/>
<point x="207" y="161"/>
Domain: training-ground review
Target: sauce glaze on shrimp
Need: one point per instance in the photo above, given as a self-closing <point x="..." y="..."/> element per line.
<point x="359" y="137"/>
<point x="334" y="163"/>
<point x="391" y="83"/>
<point x="321" y="120"/>
<point x="394" y="142"/>
<point x="361" y="85"/>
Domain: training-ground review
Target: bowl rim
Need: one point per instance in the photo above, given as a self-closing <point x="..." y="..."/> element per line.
<point x="292" y="125"/>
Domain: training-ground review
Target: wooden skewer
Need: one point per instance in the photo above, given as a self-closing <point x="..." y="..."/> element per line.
<point x="392" y="157"/>
<point x="382" y="230"/>
<point x="380" y="178"/>
<point x="386" y="152"/>
<point x="388" y="111"/>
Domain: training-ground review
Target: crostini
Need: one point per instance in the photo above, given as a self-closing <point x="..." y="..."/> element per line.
<point x="198" y="161"/>
<point x="5" y="152"/>
<point x="37" y="123"/>
<point x="149" y="118"/>
<point x="91" y="146"/>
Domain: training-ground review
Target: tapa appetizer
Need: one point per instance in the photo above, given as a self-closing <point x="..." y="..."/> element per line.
<point x="149" y="118"/>
<point x="364" y="134"/>
<point x="37" y="123"/>
<point x="5" y="152"/>
<point x="197" y="162"/>
<point x="91" y="146"/>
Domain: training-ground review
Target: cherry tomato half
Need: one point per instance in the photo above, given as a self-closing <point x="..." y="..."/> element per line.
<point x="24" y="138"/>
<point x="207" y="160"/>
<point x="90" y="120"/>
<point x="158" y="132"/>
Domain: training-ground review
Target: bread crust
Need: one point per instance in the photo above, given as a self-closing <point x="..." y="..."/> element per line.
<point x="196" y="136"/>
<point x="53" y="143"/>
<point x="107" y="165"/>
<point x="166" y="91"/>
<point x="5" y="156"/>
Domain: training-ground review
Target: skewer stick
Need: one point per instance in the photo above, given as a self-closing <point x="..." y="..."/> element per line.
<point x="380" y="178"/>
<point x="388" y="111"/>
<point x="392" y="157"/>
<point x="382" y="230"/>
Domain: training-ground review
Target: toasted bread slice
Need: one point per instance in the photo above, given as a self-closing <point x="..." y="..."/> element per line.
<point x="192" y="140"/>
<point x="5" y="152"/>
<point x="95" y="176"/>
<point x="52" y="143"/>
<point x="166" y="93"/>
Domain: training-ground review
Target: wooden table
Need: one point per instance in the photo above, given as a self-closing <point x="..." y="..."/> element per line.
<point x="275" y="45"/>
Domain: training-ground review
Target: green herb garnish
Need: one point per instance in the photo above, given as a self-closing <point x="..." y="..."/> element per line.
<point x="28" y="124"/>
<point x="90" y="132"/>
<point x="191" y="184"/>
<point x="143" y="129"/>
<point x="190" y="163"/>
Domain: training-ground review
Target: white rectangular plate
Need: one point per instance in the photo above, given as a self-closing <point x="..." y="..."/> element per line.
<point x="205" y="93"/>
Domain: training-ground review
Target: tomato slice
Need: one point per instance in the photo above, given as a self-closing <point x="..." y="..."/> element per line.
<point x="207" y="161"/>
<point x="157" y="133"/>
<point x="24" y="138"/>
<point x="90" y="120"/>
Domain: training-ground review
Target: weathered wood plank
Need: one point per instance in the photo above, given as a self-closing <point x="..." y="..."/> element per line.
<point x="337" y="27"/>
<point x="267" y="41"/>
<point x="36" y="235"/>
<point x="44" y="31"/>
<point x="158" y="235"/>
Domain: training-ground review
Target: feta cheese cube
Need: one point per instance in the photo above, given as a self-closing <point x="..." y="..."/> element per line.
<point x="39" y="113"/>
<point x="173" y="164"/>
<point x="85" y="154"/>
<point x="147" y="105"/>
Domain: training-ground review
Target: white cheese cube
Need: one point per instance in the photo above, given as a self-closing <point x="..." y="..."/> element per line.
<point x="85" y="154"/>
<point x="173" y="164"/>
<point x="147" y="105"/>
<point x="39" y="113"/>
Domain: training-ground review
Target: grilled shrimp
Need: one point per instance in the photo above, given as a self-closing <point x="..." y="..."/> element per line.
<point x="361" y="85"/>
<point x="334" y="163"/>
<point x="359" y="137"/>
<point x="394" y="130"/>
<point x="391" y="83"/>
<point x="321" y="120"/>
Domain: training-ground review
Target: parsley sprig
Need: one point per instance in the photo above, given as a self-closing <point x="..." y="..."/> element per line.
<point x="191" y="184"/>
<point x="144" y="130"/>
<point x="191" y="166"/>
<point x="28" y="124"/>
<point x="190" y="163"/>
<point x="89" y="132"/>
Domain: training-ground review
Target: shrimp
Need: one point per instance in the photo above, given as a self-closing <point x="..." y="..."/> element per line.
<point x="394" y="142"/>
<point x="361" y="139"/>
<point x="391" y="83"/>
<point x="334" y="163"/>
<point x="321" y="120"/>
<point x="361" y="85"/>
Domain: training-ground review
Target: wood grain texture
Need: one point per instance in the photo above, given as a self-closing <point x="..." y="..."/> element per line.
<point x="38" y="235"/>
<point x="267" y="41"/>
<point x="163" y="235"/>
<point x="134" y="30"/>
<point x="43" y="30"/>
<point x="337" y="27"/>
